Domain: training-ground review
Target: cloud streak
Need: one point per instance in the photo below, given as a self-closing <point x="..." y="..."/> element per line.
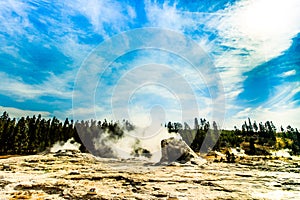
<point x="44" y="44"/>
<point x="17" y="88"/>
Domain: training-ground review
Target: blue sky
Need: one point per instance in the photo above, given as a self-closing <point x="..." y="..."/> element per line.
<point x="49" y="49"/>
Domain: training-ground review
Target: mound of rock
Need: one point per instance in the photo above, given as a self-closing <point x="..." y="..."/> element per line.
<point x="177" y="150"/>
<point x="67" y="152"/>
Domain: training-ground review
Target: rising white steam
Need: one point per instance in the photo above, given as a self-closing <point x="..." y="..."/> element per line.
<point x="145" y="138"/>
<point x="68" y="145"/>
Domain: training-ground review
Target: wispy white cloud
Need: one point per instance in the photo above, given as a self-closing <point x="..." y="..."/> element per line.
<point x="238" y="38"/>
<point x="288" y="73"/>
<point x="167" y="16"/>
<point x="280" y="108"/>
<point x="14" y="24"/>
<point x="251" y="33"/>
<point x="264" y="27"/>
<point x="15" y="87"/>
<point x="248" y="33"/>
<point x="17" y="113"/>
<point x="112" y="14"/>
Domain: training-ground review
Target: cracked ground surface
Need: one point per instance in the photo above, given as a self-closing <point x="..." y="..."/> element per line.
<point x="83" y="176"/>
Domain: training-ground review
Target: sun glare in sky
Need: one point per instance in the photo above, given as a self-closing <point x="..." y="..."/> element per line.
<point x="253" y="45"/>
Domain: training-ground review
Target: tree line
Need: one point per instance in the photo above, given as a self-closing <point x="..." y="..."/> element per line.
<point x="204" y="136"/>
<point x="31" y="135"/>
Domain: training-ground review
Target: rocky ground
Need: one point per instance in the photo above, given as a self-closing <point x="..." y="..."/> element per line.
<point x="73" y="175"/>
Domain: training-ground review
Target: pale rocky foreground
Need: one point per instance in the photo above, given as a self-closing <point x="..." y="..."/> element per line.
<point x="73" y="175"/>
